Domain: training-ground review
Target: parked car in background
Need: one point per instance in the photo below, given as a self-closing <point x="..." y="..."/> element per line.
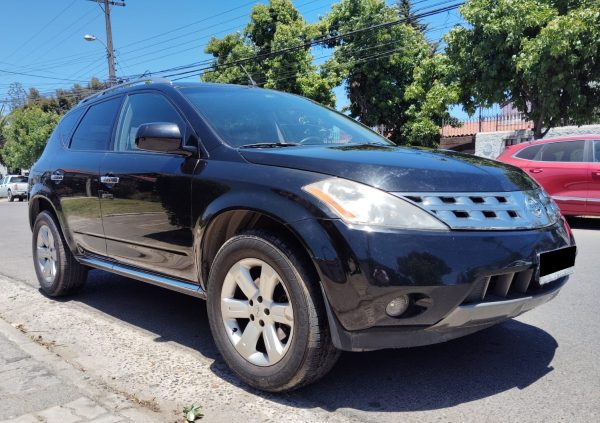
<point x="306" y="232"/>
<point x="567" y="168"/>
<point x="14" y="186"/>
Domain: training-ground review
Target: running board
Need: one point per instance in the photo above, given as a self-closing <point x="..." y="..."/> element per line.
<point x="162" y="281"/>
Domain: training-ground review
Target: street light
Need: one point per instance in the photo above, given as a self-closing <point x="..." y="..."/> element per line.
<point x="109" y="55"/>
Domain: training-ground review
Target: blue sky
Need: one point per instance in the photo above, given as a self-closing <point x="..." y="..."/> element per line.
<point x="44" y="39"/>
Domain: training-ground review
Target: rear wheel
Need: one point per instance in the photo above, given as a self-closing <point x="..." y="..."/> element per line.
<point x="10" y="196"/>
<point x="57" y="270"/>
<point x="267" y="314"/>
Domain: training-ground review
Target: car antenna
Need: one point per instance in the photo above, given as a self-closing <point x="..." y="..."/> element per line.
<point x="250" y="80"/>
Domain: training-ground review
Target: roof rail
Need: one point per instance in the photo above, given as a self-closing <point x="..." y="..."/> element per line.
<point x="148" y="80"/>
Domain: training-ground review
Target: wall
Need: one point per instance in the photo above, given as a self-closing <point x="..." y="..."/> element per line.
<point x="491" y="144"/>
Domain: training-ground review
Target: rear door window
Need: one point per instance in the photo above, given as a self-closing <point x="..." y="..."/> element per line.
<point x="529" y="153"/>
<point x="597" y="151"/>
<point x="564" y="151"/>
<point x="95" y="129"/>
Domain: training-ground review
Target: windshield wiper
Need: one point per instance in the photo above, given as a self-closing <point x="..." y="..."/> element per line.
<point x="269" y="145"/>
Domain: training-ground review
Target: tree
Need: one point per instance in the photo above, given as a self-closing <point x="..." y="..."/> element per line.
<point x="26" y="133"/>
<point x="543" y="55"/>
<point x="17" y="96"/>
<point x="431" y="93"/>
<point x="377" y="65"/>
<point x="406" y="12"/>
<point x="274" y="26"/>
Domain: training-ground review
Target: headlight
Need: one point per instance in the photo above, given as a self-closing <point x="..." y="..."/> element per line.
<point x="364" y="205"/>
<point x="551" y="207"/>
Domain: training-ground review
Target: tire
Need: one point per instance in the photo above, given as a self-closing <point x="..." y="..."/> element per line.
<point x="21" y="199"/>
<point x="58" y="272"/>
<point x="304" y="351"/>
<point x="10" y="196"/>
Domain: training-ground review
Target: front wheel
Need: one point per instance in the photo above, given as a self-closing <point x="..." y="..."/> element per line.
<point x="10" y="196"/>
<point x="267" y="314"/>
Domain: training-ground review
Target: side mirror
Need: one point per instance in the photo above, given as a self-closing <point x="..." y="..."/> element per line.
<point x="161" y="137"/>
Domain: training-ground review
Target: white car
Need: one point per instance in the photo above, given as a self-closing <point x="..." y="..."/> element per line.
<point x="14" y="186"/>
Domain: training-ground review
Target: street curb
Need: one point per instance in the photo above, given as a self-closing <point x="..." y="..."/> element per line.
<point x="69" y="373"/>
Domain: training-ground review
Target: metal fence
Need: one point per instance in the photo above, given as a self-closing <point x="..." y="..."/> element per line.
<point x="490" y="123"/>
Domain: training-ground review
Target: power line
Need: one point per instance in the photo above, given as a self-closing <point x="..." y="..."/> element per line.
<point x="41" y="29"/>
<point x="309" y="44"/>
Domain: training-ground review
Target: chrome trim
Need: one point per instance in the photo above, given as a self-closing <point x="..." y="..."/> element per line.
<point x="109" y="180"/>
<point x="556" y="275"/>
<point x="488" y="210"/>
<point x="162" y="281"/>
<point x="594" y="200"/>
<point x="567" y="198"/>
<point x="481" y="314"/>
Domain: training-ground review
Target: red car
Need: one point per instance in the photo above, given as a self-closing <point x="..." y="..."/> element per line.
<point x="567" y="168"/>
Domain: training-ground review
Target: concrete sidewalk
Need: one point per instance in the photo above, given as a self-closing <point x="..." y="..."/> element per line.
<point x="38" y="386"/>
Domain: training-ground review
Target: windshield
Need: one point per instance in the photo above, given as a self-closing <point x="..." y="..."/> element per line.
<point x="247" y="116"/>
<point x="18" y="179"/>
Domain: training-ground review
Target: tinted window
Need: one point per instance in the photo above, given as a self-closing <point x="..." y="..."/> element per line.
<point x="529" y="153"/>
<point x="66" y="125"/>
<point x="565" y="151"/>
<point x="597" y="151"/>
<point x="94" y="130"/>
<point x="18" y="179"/>
<point x="139" y="109"/>
<point x="249" y="116"/>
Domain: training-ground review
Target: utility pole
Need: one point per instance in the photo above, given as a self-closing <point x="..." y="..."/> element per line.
<point x="110" y="52"/>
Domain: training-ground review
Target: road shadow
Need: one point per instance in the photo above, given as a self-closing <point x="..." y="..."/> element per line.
<point x="510" y="355"/>
<point x="584" y="222"/>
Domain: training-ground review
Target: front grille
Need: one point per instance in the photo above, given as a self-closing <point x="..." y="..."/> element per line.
<point x="500" y="287"/>
<point x="489" y="210"/>
<point x="506" y="285"/>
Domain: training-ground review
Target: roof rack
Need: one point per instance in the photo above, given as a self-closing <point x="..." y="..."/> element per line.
<point x="149" y="80"/>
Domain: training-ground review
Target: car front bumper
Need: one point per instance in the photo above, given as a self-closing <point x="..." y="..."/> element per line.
<point x="463" y="320"/>
<point x="455" y="278"/>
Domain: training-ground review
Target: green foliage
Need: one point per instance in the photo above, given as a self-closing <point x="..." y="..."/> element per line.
<point x="63" y="99"/>
<point x="405" y="11"/>
<point x="431" y="92"/>
<point x="192" y="413"/>
<point x="377" y="65"/>
<point x="540" y="54"/>
<point x="273" y="26"/>
<point x="26" y="133"/>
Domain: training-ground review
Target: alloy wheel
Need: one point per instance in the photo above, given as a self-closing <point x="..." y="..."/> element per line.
<point x="46" y="258"/>
<point x="257" y="313"/>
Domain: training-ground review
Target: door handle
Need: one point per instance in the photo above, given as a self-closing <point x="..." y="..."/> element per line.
<point x="109" y="180"/>
<point x="57" y="176"/>
<point x="536" y="170"/>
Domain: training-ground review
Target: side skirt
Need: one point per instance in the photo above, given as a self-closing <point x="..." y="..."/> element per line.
<point x="162" y="281"/>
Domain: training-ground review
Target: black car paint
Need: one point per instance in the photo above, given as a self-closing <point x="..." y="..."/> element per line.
<point x="360" y="269"/>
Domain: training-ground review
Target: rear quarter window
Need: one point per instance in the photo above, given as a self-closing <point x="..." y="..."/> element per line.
<point x="529" y="153"/>
<point x="66" y="125"/>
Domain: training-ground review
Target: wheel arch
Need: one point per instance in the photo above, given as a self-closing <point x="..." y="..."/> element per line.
<point x="39" y="203"/>
<point x="230" y="222"/>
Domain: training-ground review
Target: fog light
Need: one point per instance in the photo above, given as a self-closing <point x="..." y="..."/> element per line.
<point x="397" y="306"/>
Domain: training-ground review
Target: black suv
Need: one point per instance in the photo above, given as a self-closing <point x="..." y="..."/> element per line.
<point x="306" y="232"/>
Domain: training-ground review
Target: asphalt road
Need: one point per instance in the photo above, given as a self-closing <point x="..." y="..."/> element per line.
<point x="156" y="345"/>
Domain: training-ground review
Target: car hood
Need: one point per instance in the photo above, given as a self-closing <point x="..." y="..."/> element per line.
<point x="398" y="169"/>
